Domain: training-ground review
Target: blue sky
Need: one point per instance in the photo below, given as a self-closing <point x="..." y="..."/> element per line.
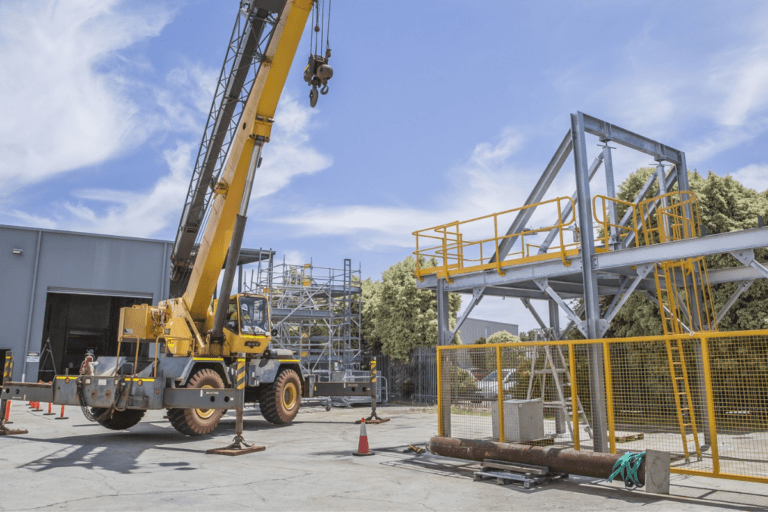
<point x="438" y="111"/>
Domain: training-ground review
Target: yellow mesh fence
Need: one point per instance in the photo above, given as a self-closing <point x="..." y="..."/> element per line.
<point x="702" y="398"/>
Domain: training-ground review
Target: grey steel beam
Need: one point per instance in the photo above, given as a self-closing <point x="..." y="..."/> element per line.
<point x="642" y="272"/>
<point x="733" y="275"/>
<point x="743" y="287"/>
<point x="610" y="188"/>
<point x="541" y="187"/>
<point x="652" y="295"/>
<point x="681" y="249"/>
<point x="581" y="325"/>
<point x="443" y="313"/>
<point x="592" y="329"/>
<point x="631" y="140"/>
<point x="532" y="310"/>
<point x="669" y="183"/>
<point x="477" y="296"/>
<point x="747" y="258"/>
<point x="568" y="208"/>
<point x="608" y="261"/>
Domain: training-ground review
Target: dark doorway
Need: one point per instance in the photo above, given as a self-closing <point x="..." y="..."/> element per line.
<point x="78" y="323"/>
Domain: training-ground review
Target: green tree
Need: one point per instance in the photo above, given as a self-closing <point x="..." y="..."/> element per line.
<point x="405" y="317"/>
<point x="503" y="337"/>
<point x="725" y="205"/>
<point x="371" y="291"/>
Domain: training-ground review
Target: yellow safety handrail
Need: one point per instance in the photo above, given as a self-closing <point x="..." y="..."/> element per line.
<point x="605" y="220"/>
<point x="455" y="253"/>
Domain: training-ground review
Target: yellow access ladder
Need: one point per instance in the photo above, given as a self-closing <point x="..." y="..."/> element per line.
<point x="684" y="296"/>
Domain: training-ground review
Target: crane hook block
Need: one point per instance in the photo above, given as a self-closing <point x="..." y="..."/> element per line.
<point x="316" y="74"/>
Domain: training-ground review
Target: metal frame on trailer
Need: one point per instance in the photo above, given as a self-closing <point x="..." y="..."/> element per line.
<point x="592" y="272"/>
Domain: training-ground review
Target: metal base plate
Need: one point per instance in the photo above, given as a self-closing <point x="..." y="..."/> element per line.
<point x="373" y="421"/>
<point x="528" y="480"/>
<point x="5" y="431"/>
<point x="232" y="452"/>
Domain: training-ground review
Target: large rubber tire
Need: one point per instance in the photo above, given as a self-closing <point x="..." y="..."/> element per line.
<point x="280" y="401"/>
<point x="198" y="422"/>
<point x="118" y="420"/>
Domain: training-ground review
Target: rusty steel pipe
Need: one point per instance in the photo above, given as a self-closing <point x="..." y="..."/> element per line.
<point x="558" y="460"/>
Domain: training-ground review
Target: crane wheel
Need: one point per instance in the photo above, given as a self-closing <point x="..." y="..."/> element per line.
<point x="197" y="422"/>
<point x="280" y="401"/>
<point x="118" y="420"/>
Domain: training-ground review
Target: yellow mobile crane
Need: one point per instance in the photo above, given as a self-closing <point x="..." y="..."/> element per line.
<point x="188" y="354"/>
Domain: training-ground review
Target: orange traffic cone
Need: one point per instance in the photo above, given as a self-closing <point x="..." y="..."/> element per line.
<point x="362" y="445"/>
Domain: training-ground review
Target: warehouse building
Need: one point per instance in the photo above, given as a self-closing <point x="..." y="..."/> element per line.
<point x="69" y="288"/>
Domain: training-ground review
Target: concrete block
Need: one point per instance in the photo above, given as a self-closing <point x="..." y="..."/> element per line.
<point x="523" y="420"/>
<point x="656" y="472"/>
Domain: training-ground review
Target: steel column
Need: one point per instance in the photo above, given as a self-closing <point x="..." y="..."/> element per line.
<point x="584" y="205"/>
<point x="610" y="187"/>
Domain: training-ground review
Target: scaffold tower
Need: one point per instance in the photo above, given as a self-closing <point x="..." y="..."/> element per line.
<point x="317" y="313"/>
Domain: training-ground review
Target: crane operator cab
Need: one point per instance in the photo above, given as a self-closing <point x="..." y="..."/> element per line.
<point x="247" y="328"/>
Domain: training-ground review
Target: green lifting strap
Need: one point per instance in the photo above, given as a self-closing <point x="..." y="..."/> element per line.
<point x="626" y="468"/>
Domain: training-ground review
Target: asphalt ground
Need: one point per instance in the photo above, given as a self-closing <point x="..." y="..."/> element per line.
<point x="77" y="465"/>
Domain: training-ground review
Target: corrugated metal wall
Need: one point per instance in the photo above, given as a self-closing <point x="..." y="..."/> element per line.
<point x="35" y="262"/>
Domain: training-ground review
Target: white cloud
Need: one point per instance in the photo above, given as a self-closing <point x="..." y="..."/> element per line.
<point x="63" y="103"/>
<point x="716" y="100"/>
<point x="486" y="183"/>
<point x="289" y="154"/>
<point x="154" y="211"/>
<point x="295" y="257"/>
<point x="754" y="176"/>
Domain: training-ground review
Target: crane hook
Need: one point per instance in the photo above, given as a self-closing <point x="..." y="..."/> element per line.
<point x="313" y="96"/>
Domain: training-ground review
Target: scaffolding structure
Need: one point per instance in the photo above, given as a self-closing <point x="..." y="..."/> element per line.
<point x="317" y="313"/>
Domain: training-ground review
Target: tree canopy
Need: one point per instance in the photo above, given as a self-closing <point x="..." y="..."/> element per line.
<point x="725" y="205"/>
<point x="397" y="316"/>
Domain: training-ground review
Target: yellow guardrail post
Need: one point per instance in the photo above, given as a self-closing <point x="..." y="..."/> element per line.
<point x="445" y="254"/>
<point x="710" y="405"/>
<point x="609" y="395"/>
<point x="496" y="242"/>
<point x="440" y="428"/>
<point x="500" y="389"/>
<point x="418" y="266"/>
<point x="574" y="395"/>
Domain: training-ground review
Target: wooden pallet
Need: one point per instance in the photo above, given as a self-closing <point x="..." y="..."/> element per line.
<point x="629" y="437"/>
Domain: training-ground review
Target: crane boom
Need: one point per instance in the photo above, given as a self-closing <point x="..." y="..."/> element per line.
<point x="251" y="33"/>
<point x="255" y="130"/>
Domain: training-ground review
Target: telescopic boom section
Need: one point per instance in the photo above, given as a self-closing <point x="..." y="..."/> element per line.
<point x="255" y="129"/>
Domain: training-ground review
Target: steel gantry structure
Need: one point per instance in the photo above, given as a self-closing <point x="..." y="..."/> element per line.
<point x="615" y="263"/>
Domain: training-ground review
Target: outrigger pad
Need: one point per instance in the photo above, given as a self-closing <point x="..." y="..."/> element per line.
<point x="373" y="421"/>
<point x="238" y="447"/>
<point x="235" y="451"/>
<point x="5" y="431"/>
